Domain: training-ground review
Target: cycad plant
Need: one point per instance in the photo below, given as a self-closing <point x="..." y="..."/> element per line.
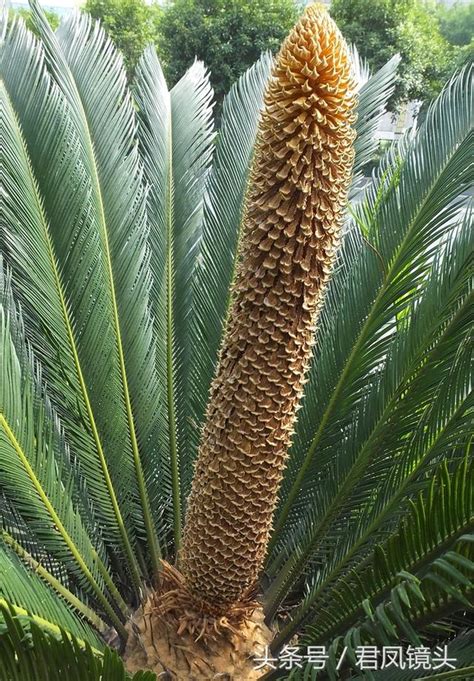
<point x="161" y="290"/>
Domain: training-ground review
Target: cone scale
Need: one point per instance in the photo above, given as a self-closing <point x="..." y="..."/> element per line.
<point x="290" y="233"/>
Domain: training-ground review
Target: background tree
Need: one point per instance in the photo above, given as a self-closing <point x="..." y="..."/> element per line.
<point x="457" y="26"/>
<point x="379" y="28"/>
<point x="52" y="18"/>
<point x="457" y="22"/>
<point x="132" y="25"/>
<point x="227" y="35"/>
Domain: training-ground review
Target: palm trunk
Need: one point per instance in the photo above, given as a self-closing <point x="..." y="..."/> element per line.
<point x="290" y="234"/>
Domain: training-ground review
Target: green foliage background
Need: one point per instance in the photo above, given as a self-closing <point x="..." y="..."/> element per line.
<point x="229" y="35"/>
<point x="423" y="32"/>
<point x="132" y="24"/>
<point x="52" y="18"/>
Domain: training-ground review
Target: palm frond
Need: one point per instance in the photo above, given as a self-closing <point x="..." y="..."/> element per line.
<point x="154" y="131"/>
<point x="27" y="589"/>
<point x="192" y="147"/>
<point x="360" y="66"/>
<point x="40" y="220"/>
<point x="375" y="91"/>
<point x="412" y="604"/>
<point x="176" y="142"/>
<point x="47" y="575"/>
<point x="404" y="228"/>
<point x="437" y="521"/>
<point x="90" y="74"/>
<point x="34" y="470"/>
<point x="418" y="575"/>
<point x="30" y="650"/>
<point x="426" y="367"/>
<point x="223" y="208"/>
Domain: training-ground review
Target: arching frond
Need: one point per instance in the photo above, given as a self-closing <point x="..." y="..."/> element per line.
<point x="48" y="576"/>
<point x="90" y="75"/>
<point x="176" y="136"/>
<point x="404" y="228"/>
<point x="44" y="224"/>
<point x="35" y="470"/>
<point x="23" y="588"/>
<point x="29" y="648"/>
<point x="427" y="366"/>
<point x="418" y="575"/>
<point x="375" y="91"/>
<point x="223" y="207"/>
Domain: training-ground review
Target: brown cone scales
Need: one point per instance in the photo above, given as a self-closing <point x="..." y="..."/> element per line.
<point x="300" y="178"/>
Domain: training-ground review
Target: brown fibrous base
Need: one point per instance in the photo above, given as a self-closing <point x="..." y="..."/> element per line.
<point x="181" y="638"/>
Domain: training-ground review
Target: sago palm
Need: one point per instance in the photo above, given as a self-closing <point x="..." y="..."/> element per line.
<point x="169" y="297"/>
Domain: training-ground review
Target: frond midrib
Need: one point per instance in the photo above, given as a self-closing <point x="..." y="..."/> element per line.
<point x="53" y="582"/>
<point x="46" y="625"/>
<point x="290" y="566"/>
<point x="172" y="435"/>
<point x="415" y="567"/>
<point x="147" y="516"/>
<point x="377" y="522"/>
<point x="360" y="340"/>
<point x="77" y="102"/>
<point x="73" y="347"/>
<point x="75" y="552"/>
<point x="418" y="563"/>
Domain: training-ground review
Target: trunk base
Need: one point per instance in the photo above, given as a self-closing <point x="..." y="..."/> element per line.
<point x="172" y="637"/>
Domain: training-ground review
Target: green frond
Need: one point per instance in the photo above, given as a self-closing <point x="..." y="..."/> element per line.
<point x="32" y="213"/>
<point x="176" y="142"/>
<point x="360" y="66"/>
<point x="420" y="399"/>
<point x="154" y="131"/>
<point x="418" y="575"/>
<point x="403" y="228"/>
<point x="25" y="588"/>
<point x="374" y="94"/>
<point x="55" y="584"/>
<point x="100" y="79"/>
<point x="437" y="521"/>
<point x="411" y="605"/>
<point x="90" y="74"/>
<point x="192" y="147"/>
<point x="223" y="207"/>
<point x="34" y="470"/>
<point x="49" y="571"/>
<point x="30" y="650"/>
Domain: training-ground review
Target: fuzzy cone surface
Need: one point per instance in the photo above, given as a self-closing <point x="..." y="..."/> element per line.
<point x="290" y="233"/>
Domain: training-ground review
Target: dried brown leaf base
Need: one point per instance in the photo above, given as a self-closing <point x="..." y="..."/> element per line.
<point x="181" y="639"/>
